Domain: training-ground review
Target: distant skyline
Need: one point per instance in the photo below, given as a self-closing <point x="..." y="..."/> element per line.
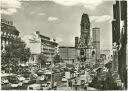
<point x="60" y="19"/>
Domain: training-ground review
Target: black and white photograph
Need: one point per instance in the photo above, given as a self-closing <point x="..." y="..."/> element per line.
<point x="64" y="45"/>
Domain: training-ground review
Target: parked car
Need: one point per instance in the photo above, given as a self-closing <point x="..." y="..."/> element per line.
<point x="42" y="77"/>
<point x="64" y="79"/>
<point x="34" y="87"/>
<point x="14" y="81"/>
<point x="27" y="80"/>
<point x="4" y="80"/>
<point x="45" y="87"/>
<point x="20" y="78"/>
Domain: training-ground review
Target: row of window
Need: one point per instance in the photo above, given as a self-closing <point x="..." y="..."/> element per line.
<point x="5" y="43"/>
<point x="7" y="34"/>
<point x="48" y="50"/>
<point x="6" y="22"/>
<point x="48" y="46"/>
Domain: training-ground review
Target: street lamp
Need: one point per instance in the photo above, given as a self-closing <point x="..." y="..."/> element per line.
<point x="51" y="69"/>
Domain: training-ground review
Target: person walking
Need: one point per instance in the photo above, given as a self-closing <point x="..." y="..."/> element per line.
<point x="55" y="85"/>
<point x="85" y="88"/>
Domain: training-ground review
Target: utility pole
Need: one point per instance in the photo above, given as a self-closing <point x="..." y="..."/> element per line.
<point x="51" y="68"/>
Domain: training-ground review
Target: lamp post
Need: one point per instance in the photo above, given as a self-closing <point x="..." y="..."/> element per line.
<point x="51" y="69"/>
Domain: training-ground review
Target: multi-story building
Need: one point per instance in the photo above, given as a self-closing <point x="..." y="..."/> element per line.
<point x="69" y="54"/>
<point x="49" y="46"/>
<point x="8" y="33"/>
<point x="40" y="44"/>
<point x="33" y="41"/>
<point x="119" y="35"/>
<point x="96" y="41"/>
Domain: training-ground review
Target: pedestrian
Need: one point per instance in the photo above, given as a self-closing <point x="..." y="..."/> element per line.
<point x="70" y="83"/>
<point x="55" y="85"/>
<point x="85" y="88"/>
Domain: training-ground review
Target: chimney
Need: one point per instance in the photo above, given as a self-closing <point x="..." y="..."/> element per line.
<point x="76" y="42"/>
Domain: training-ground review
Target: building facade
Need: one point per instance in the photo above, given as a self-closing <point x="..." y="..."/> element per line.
<point x="119" y="35"/>
<point x="33" y="41"/>
<point x="106" y="55"/>
<point x="96" y="41"/>
<point x="84" y="37"/>
<point x="40" y="44"/>
<point x="8" y="33"/>
<point x="69" y="54"/>
<point x="49" y="46"/>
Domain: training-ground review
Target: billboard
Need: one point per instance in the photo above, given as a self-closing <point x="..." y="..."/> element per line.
<point x="67" y="75"/>
<point x="35" y="46"/>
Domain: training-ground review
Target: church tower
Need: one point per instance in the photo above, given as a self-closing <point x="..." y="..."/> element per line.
<point x="85" y="35"/>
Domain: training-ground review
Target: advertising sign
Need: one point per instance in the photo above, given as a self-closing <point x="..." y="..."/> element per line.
<point x="35" y="47"/>
<point x="67" y="75"/>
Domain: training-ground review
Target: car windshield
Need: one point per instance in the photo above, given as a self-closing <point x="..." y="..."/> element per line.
<point x="30" y="87"/>
<point x="43" y="86"/>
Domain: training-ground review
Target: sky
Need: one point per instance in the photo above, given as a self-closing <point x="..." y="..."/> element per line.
<point x="60" y="19"/>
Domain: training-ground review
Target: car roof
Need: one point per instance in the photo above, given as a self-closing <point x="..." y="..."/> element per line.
<point x="34" y="85"/>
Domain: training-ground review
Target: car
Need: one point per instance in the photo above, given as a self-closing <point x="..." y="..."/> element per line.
<point x="34" y="87"/>
<point x="41" y="77"/>
<point x="45" y="87"/>
<point x="20" y="78"/>
<point x="14" y="85"/>
<point x="64" y="79"/>
<point x="4" y="80"/>
<point x="33" y="76"/>
<point x="14" y="81"/>
<point x="26" y="81"/>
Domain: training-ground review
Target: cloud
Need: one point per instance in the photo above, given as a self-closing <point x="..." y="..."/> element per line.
<point x="31" y="13"/>
<point x="89" y="4"/>
<point x="51" y="18"/>
<point x="9" y="7"/>
<point x="41" y="13"/>
<point x="102" y="18"/>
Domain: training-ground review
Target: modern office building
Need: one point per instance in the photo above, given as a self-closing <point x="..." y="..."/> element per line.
<point x="8" y="33"/>
<point x="96" y="41"/>
<point x="69" y="55"/>
<point x="119" y="35"/>
<point x="40" y="44"/>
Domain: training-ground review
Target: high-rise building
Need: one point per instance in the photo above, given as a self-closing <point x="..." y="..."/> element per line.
<point x="119" y="35"/>
<point x="96" y="41"/>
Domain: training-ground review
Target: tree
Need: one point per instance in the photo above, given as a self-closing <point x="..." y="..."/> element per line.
<point x="56" y="58"/>
<point x="14" y="53"/>
<point x="42" y="59"/>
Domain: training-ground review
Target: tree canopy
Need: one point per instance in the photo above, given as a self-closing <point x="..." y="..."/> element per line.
<point x="14" y="53"/>
<point x="56" y="58"/>
<point x="42" y="59"/>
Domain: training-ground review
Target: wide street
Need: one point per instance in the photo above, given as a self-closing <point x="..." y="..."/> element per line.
<point x="64" y="45"/>
<point x="56" y="77"/>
